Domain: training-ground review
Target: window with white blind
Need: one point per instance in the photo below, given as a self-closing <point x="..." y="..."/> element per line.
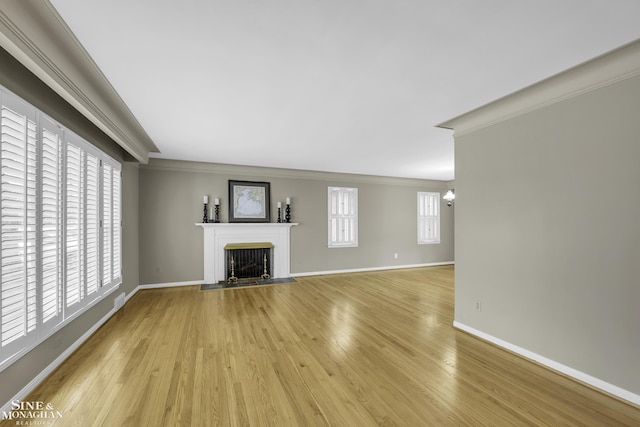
<point x="60" y="204"/>
<point x="343" y="217"/>
<point x="428" y="217"/>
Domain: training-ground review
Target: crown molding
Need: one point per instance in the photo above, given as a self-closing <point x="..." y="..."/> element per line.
<point x="618" y="65"/>
<point x="37" y="36"/>
<point x="225" y="169"/>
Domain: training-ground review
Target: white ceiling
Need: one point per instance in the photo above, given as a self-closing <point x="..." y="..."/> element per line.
<point x="351" y="86"/>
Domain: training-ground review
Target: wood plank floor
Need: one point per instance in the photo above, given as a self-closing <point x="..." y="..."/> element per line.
<point x="359" y="349"/>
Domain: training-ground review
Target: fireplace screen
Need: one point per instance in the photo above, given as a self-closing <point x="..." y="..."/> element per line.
<point x="248" y="260"/>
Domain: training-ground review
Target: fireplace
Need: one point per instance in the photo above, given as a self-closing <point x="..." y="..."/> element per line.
<point x="248" y="261"/>
<point x="217" y="235"/>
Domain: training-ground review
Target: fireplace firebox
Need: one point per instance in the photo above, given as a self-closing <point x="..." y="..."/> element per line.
<point x="248" y="261"/>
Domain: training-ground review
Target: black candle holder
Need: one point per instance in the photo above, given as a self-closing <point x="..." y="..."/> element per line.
<point x="205" y="218"/>
<point x="279" y="215"/>
<point x="287" y="215"/>
<point x="217" y="214"/>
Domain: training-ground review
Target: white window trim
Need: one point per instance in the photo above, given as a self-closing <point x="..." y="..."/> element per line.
<point x="61" y="314"/>
<point x="341" y="223"/>
<point x="428" y="214"/>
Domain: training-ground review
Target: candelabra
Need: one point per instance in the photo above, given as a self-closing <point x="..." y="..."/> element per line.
<point x="279" y="213"/>
<point x="204" y="214"/>
<point x="217" y="214"/>
<point x="287" y="215"/>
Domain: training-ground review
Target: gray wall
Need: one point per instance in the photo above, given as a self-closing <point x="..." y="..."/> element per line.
<point x="19" y="80"/>
<point x="130" y="217"/>
<point x="548" y="232"/>
<point x="171" y="246"/>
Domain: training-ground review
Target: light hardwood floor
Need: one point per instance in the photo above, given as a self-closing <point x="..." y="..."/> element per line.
<point x="357" y="349"/>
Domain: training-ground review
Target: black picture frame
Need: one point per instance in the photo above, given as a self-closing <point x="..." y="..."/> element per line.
<point x="249" y="201"/>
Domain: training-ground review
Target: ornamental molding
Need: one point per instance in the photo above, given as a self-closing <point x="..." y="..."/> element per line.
<point x="613" y="67"/>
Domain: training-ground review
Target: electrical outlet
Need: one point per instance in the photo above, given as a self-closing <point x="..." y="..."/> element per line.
<point x="477" y="305"/>
<point x="395" y="255"/>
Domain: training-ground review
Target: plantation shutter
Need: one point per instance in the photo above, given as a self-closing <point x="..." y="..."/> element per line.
<point x="116" y="225"/>
<point x="92" y="253"/>
<point x="107" y="224"/>
<point x="343" y="217"/>
<point x="18" y="310"/>
<point x="51" y="209"/>
<point x="428" y="217"/>
<point x="60" y="217"/>
<point x="334" y="196"/>
<point x="74" y="226"/>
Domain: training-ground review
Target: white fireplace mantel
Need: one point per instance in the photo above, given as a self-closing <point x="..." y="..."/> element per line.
<point x="217" y="235"/>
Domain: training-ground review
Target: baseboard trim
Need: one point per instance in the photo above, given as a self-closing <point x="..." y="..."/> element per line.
<point x="589" y="380"/>
<point x="361" y="270"/>
<point x="169" y="285"/>
<point x="161" y="285"/>
<point x="57" y="362"/>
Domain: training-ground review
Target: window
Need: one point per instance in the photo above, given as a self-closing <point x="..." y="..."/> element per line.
<point x="343" y="217"/>
<point x="428" y="218"/>
<point x="61" y="229"/>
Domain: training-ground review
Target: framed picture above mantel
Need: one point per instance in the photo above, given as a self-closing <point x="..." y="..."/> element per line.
<point x="249" y="201"/>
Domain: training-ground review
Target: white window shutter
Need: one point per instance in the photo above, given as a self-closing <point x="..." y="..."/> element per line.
<point x="116" y="226"/>
<point x="334" y="195"/>
<point x="107" y="224"/>
<point x="18" y="310"/>
<point x="51" y="226"/>
<point x="343" y="217"/>
<point x="92" y="227"/>
<point x="428" y="217"/>
<point x="74" y="226"/>
<point x="60" y="208"/>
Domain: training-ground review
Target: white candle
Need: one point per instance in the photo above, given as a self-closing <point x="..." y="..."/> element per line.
<point x="288" y="200"/>
<point x="210" y="213"/>
<point x="205" y="199"/>
<point x="216" y="201"/>
<point x="279" y="205"/>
